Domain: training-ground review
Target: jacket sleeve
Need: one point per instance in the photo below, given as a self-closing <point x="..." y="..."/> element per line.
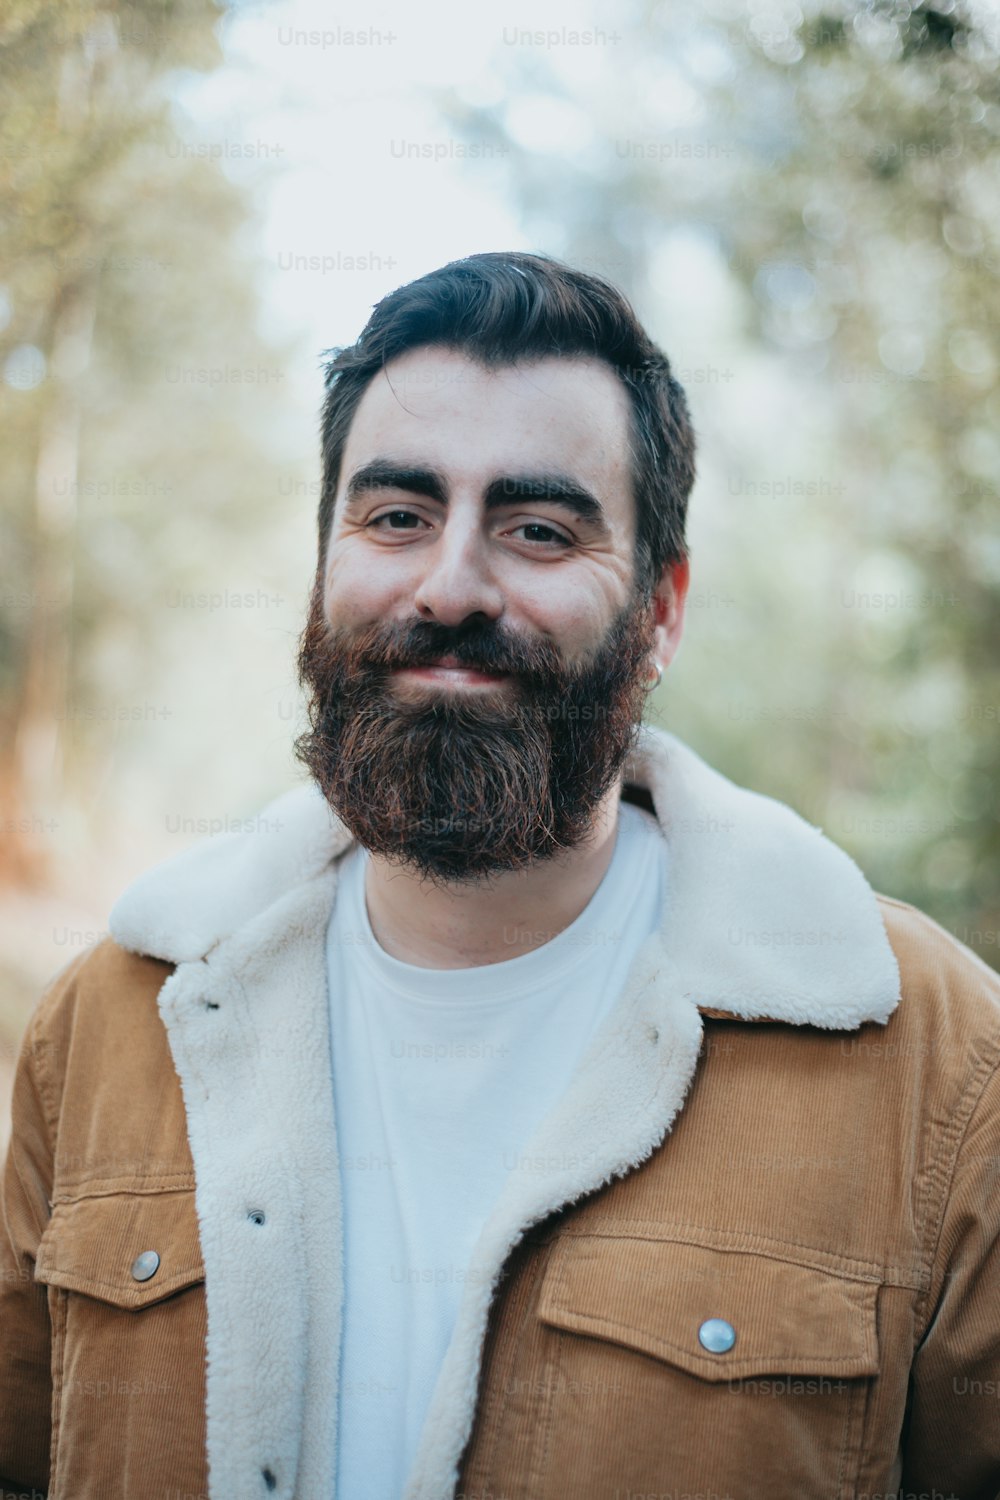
<point x="952" y="1437"/>
<point x="25" y="1371"/>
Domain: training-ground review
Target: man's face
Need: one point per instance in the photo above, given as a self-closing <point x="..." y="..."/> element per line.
<point x="487" y="518"/>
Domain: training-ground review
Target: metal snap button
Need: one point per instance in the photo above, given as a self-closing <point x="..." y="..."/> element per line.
<point x="716" y="1335"/>
<point x="145" y="1265"/>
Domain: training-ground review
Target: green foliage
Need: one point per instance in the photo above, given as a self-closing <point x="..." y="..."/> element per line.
<point x="840" y="160"/>
<point x="138" y="397"/>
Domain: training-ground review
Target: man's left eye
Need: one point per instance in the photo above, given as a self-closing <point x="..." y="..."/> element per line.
<point x="536" y="526"/>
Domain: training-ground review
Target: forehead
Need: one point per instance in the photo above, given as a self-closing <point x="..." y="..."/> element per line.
<point x="552" y="415"/>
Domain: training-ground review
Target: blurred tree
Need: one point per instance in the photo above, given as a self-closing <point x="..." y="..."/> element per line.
<point x="136" y="395"/>
<point x="840" y="159"/>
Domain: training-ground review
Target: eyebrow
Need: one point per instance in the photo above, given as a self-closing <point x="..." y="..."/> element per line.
<point x="552" y="488"/>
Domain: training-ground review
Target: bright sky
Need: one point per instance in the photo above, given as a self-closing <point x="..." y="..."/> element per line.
<point x="362" y="186"/>
<point x="359" y="160"/>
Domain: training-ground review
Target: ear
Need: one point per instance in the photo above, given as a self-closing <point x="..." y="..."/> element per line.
<point x="668" y="604"/>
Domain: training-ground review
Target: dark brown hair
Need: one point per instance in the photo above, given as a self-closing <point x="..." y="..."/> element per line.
<point x="499" y="309"/>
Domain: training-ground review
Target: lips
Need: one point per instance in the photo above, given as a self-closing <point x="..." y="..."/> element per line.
<point x="452" y="675"/>
<point x="452" y="663"/>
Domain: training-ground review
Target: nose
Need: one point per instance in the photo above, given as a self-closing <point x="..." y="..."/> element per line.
<point x="458" y="579"/>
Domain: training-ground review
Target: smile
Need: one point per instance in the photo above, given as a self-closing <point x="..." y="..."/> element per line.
<point x="453" y="676"/>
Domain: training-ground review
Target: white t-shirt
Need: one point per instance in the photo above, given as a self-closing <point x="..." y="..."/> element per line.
<point x="441" y="1077"/>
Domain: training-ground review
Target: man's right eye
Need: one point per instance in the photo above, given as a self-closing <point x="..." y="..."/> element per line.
<point x="390" y="514"/>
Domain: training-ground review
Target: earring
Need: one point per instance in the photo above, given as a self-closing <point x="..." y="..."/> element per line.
<point x="652" y="686"/>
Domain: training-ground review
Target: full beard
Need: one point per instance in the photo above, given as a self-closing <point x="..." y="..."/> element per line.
<point x="462" y="785"/>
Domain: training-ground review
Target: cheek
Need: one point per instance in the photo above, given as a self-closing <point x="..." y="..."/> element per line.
<point x="573" y="615"/>
<point x="355" y="592"/>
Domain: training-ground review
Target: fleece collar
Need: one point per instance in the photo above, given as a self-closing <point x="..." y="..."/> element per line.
<point x="765" y="918"/>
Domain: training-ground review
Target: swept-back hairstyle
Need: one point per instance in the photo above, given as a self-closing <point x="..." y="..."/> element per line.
<point x="500" y="309"/>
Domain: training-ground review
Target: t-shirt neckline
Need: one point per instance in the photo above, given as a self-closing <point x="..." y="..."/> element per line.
<point x="527" y="972"/>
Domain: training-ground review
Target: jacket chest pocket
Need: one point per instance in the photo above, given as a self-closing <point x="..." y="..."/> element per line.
<point x="674" y="1368"/>
<point x="126" y="1301"/>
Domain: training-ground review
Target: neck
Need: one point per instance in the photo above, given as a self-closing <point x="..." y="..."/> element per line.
<point x="463" y="927"/>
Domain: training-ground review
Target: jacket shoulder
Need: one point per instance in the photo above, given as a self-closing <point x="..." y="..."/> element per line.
<point x="931" y="952"/>
<point x="105" y="976"/>
<point x="99" y="1010"/>
<point x="947" y="993"/>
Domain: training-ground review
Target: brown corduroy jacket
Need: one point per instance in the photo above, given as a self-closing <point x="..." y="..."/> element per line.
<point x="753" y="1256"/>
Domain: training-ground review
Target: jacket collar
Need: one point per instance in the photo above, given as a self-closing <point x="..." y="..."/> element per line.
<point x="765" y="918"/>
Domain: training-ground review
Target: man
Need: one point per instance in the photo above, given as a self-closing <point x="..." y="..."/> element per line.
<point x="520" y="1108"/>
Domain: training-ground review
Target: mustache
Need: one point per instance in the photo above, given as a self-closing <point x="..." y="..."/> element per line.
<point x="387" y="646"/>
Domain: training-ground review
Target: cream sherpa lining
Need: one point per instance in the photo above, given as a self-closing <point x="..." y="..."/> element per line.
<point x="764" y="916"/>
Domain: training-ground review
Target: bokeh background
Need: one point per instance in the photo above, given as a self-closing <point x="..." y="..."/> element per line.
<point x="801" y="198"/>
